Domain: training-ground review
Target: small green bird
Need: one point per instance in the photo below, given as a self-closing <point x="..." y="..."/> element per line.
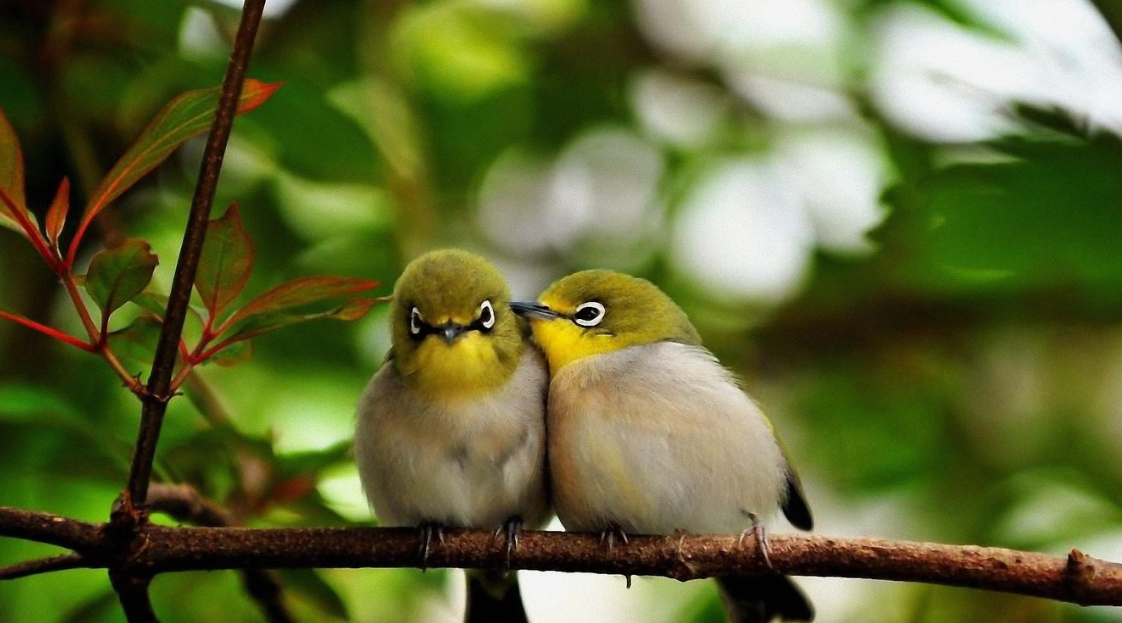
<point x="451" y="429"/>
<point x="649" y="434"/>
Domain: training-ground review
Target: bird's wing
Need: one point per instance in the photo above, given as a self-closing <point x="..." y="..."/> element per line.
<point x="795" y="508"/>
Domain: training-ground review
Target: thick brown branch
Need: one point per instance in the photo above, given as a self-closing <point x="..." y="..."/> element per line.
<point x="61" y="562"/>
<point x="683" y="558"/>
<point x="159" y="382"/>
<point x="1077" y="578"/>
<point x="46" y="528"/>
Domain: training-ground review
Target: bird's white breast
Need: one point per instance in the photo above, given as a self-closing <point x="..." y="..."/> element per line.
<point x="658" y="438"/>
<point x="472" y="462"/>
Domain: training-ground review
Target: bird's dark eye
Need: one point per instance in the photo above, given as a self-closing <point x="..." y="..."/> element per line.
<point x="589" y="314"/>
<point x="415" y="321"/>
<point x="486" y="315"/>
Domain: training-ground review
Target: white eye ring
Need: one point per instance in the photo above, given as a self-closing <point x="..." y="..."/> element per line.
<point x="415" y="321"/>
<point x="486" y="315"/>
<point x="589" y="320"/>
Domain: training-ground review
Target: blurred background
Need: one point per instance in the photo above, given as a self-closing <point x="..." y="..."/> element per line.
<point x="899" y="221"/>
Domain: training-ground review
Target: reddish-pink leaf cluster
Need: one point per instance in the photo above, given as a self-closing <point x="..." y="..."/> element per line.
<point x="224" y="268"/>
<point x="120" y="274"/>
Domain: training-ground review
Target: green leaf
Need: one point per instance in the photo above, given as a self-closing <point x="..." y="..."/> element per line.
<point x="314" y="462"/>
<point x="25" y="402"/>
<point x="185" y="116"/>
<point x="11" y="173"/>
<point x="41" y="408"/>
<point x="232" y="355"/>
<point x="117" y="275"/>
<point x="1047" y="218"/>
<point x="94" y="608"/>
<point x="300" y="292"/>
<point x="226" y="262"/>
<point x="56" y="214"/>
<point x="137" y="342"/>
<point x="334" y="149"/>
<point x="152" y="302"/>
<point x="156" y="304"/>
<point x="311" y="585"/>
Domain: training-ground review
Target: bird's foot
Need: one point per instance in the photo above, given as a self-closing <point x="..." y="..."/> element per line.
<point x="425" y="532"/>
<point x="512" y="528"/>
<point x="610" y="534"/>
<point x="760" y="532"/>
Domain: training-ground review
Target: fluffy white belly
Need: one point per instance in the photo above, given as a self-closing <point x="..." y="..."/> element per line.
<point x="656" y="441"/>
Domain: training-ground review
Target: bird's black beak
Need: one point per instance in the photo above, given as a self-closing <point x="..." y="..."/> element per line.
<point x="450" y="331"/>
<point x="533" y="310"/>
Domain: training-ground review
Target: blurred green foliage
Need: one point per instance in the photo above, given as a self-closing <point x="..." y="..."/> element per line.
<point x="958" y="380"/>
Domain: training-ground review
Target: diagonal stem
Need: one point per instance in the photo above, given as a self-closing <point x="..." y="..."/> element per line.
<point x="159" y="382"/>
<point x="184" y="503"/>
<point x="132" y="588"/>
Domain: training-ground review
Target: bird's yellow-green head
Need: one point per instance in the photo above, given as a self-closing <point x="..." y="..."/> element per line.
<point x="599" y="311"/>
<point x="454" y="334"/>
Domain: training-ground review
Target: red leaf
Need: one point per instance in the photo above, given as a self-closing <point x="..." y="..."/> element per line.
<point x="293" y="489"/>
<point x="19" y="218"/>
<point x="56" y="214"/>
<point x="302" y="291"/>
<point x="232" y="355"/>
<point x="13" y="205"/>
<point x="11" y="171"/>
<point x="185" y="116"/>
<point x="258" y="323"/>
<point x="357" y="308"/>
<point x="226" y="262"/>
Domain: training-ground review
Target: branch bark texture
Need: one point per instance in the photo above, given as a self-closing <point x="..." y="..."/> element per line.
<point x="1077" y="578"/>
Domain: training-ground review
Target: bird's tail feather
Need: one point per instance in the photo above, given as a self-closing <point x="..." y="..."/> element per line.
<point x="763" y="598"/>
<point x="493" y="596"/>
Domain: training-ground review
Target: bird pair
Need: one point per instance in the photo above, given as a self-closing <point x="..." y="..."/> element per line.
<point x="636" y="426"/>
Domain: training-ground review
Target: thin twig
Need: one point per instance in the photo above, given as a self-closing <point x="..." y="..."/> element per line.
<point x="159" y="382"/>
<point x="80" y="306"/>
<point x="1076" y="578"/>
<point x="267" y="592"/>
<point x="184" y="503"/>
<point x="61" y="562"/>
<point x="98" y="339"/>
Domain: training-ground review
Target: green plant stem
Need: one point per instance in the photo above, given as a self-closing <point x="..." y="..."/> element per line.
<point x="80" y="306"/>
<point x="181" y="376"/>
